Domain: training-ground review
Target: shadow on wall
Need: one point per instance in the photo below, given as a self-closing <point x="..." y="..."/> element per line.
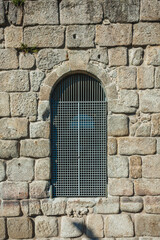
<point x="82" y="228"/>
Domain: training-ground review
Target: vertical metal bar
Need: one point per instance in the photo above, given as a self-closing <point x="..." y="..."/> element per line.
<point x="78" y="155"/>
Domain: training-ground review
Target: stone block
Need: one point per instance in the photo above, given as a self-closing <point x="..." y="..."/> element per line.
<point x="158" y="145"/>
<point x="20" y="169"/>
<point x="147" y="225"/>
<point x="2" y="220"/>
<point x="118" y="226"/>
<point x="2" y="170"/>
<point x="31" y="207"/>
<point x="44" y="36"/>
<point x="127" y="77"/>
<point x="117" y="125"/>
<point x="2" y="15"/>
<point x="13" y="37"/>
<point x="80" y="36"/>
<point x="150" y="10"/>
<point x="99" y="55"/>
<point x="152" y="204"/>
<point x="39" y="189"/>
<point x="45" y="92"/>
<point x="118" y="167"/>
<point x="94" y="226"/>
<point x="131" y="204"/>
<point x="80" y="12"/>
<point x="14" y="190"/>
<point x="71" y="227"/>
<point x="13" y="128"/>
<point x="43" y="110"/>
<point x="129" y="98"/>
<point x="145" y="77"/>
<point x="133" y="146"/>
<point x="1" y="34"/>
<point x="9" y="208"/>
<point x="78" y="59"/>
<point x="112" y="146"/>
<point x="15" y="14"/>
<point x="144" y="130"/>
<point x="26" y="61"/>
<point x="4" y="104"/>
<point x="108" y="205"/>
<point x="8" y="149"/>
<point x="35" y="148"/>
<point x="53" y="206"/>
<point x="150" y="101"/>
<point x="42" y="169"/>
<point x="122" y="11"/>
<point x="116" y="106"/>
<point x="46" y="226"/>
<point x="114" y="35"/>
<point x="40" y="130"/>
<point x="21" y="227"/>
<point x="8" y="59"/>
<point x="153" y="55"/>
<point x="120" y="187"/>
<point x="117" y="56"/>
<point x="36" y="78"/>
<point x="23" y="104"/>
<point x="40" y="12"/>
<point x="147" y="187"/>
<point x="146" y="34"/>
<point x="135" y="167"/>
<point x="14" y="81"/>
<point x="151" y="166"/>
<point x="157" y="77"/>
<point x="136" y="56"/>
<point x="48" y="58"/>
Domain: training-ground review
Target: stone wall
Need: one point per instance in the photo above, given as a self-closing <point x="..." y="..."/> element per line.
<point x="119" y="43"/>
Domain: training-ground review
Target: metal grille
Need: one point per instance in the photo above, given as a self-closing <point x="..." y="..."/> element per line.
<point x="78" y="137"/>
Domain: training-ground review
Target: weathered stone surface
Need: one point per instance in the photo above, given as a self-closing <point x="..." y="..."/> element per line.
<point x="144" y="130"/>
<point x="129" y="98"/>
<point x="135" y="167"/>
<point x="157" y="77"/>
<point x="80" y="12"/>
<point x="26" y="61"/>
<point x="46" y="226"/>
<point x="136" y="56"/>
<point x="14" y="190"/>
<point x="131" y="204"/>
<point x="121" y="11"/>
<point x="40" y="12"/>
<point x="150" y="101"/>
<point x="14" y="81"/>
<point x="150" y="10"/>
<point x="78" y="59"/>
<point x="145" y="77"/>
<point x="2" y="220"/>
<point x="151" y="166"/>
<point x="158" y="145"/>
<point x="9" y="208"/>
<point x="146" y="34"/>
<point x="13" y="128"/>
<point x="133" y="146"/>
<point x="8" y="149"/>
<point x="43" y="110"/>
<point x="152" y="204"/>
<point x="99" y="55"/>
<point x="127" y="77"/>
<point x="2" y="16"/>
<point x="117" y="125"/>
<point x="48" y="58"/>
<point x="71" y="227"/>
<point x="40" y="130"/>
<point x="4" y="104"/>
<point x="118" y="167"/>
<point x="117" y="106"/>
<point x="114" y="35"/>
<point x="39" y="189"/>
<point x="153" y="55"/>
<point x="1" y="34"/>
<point x="21" y="227"/>
<point x="44" y="36"/>
<point x="20" y="169"/>
<point x="112" y="146"/>
<point x="53" y="206"/>
<point x="35" y="148"/>
<point x="15" y="14"/>
<point x="36" y="78"/>
<point x="2" y="170"/>
<point x="13" y="37"/>
<point x="80" y="36"/>
<point x="120" y="187"/>
<point x="147" y="225"/>
<point x="147" y="187"/>
<point x="45" y="92"/>
<point x="94" y="224"/>
<point x="8" y="59"/>
<point x="23" y="104"/>
<point x="118" y="226"/>
<point x="117" y="56"/>
<point x="42" y="169"/>
<point x="108" y="205"/>
<point x="31" y="207"/>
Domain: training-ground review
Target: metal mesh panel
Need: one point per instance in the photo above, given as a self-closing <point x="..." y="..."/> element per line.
<point x="78" y="138"/>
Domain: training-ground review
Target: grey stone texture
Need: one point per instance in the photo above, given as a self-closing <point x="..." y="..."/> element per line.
<point x="131" y="204"/>
<point x="112" y="146"/>
<point x="94" y="224"/>
<point x="8" y="59"/>
<point x="157" y="77"/>
<point x="8" y="149"/>
<point x="14" y="190"/>
<point x="135" y="167"/>
<point x="118" y="167"/>
<point x="36" y="78"/>
<point x="153" y="55"/>
<point x="117" y="125"/>
<point x="151" y="167"/>
<point x="152" y="204"/>
<point x="30" y="207"/>
<point x="26" y="61"/>
<point x="155" y="127"/>
<point x="120" y="187"/>
<point x="145" y="77"/>
<point x="40" y="130"/>
<point x="71" y="227"/>
<point x="147" y="225"/>
<point x="2" y="228"/>
<point x="46" y="226"/>
<point x="147" y="187"/>
<point x="150" y="101"/>
<point x="136" y="56"/>
<point x="13" y="37"/>
<point x="15" y="14"/>
<point x="108" y="206"/>
<point x="117" y="56"/>
<point x="53" y="206"/>
<point x="2" y="170"/>
<point x="4" y="104"/>
<point x="10" y="208"/>
<point x="2" y="16"/>
<point x="127" y="77"/>
<point x="150" y="10"/>
<point x="42" y="169"/>
<point x="39" y="189"/>
<point x="99" y="55"/>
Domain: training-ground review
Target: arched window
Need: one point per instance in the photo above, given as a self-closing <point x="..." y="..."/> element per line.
<point x="78" y="137"/>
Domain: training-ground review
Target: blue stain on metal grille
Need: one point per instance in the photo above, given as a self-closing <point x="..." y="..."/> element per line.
<point x="85" y="121"/>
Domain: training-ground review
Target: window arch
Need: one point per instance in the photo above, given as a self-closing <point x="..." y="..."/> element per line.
<point x="78" y="137"/>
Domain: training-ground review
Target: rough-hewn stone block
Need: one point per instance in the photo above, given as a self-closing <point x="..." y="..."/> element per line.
<point x="150" y="101"/>
<point x="2" y="220"/>
<point x="2" y="16"/>
<point x="135" y="166"/>
<point x="39" y="189"/>
<point x="108" y="205"/>
<point x="145" y="77"/>
<point x="14" y="190"/>
<point x="23" y="104"/>
<point x="129" y="98"/>
<point x="150" y="10"/>
<point x="117" y="106"/>
<point x="99" y="55"/>
<point x="127" y="77"/>
<point x="117" y="125"/>
<point x="31" y="207"/>
<point x="14" y="81"/>
<point x="45" y="92"/>
<point x="120" y="187"/>
<point x="114" y="35"/>
<point x="147" y="187"/>
<point x="36" y="78"/>
<point x="117" y="167"/>
<point x="13" y="37"/>
<point x="80" y="36"/>
<point x="26" y="61"/>
<point x="44" y="36"/>
<point x="152" y="204"/>
<point x="43" y="110"/>
<point x="40" y="12"/>
<point x="46" y="226"/>
<point x="1" y="34"/>
<point x="155" y="125"/>
<point x="8" y="149"/>
<point x="146" y="34"/>
<point x="133" y="146"/>
<point x="131" y="204"/>
<point x="53" y="206"/>
<point x="15" y="14"/>
<point x="94" y="224"/>
<point x="157" y="77"/>
<point x="80" y="12"/>
<point x="71" y="227"/>
<point x="8" y="59"/>
<point x="4" y="105"/>
<point x="112" y="146"/>
<point x="153" y="55"/>
<point x="21" y="227"/>
<point x="2" y="170"/>
<point x="40" y="130"/>
<point x="117" y="56"/>
<point x="78" y="59"/>
<point x="42" y="169"/>
<point x="9" y="208"/>
<point x="151" y="166"/>
<point x="147" y="225"/>
<point x="136" y="56"/>
<point x="118" y="226"/>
